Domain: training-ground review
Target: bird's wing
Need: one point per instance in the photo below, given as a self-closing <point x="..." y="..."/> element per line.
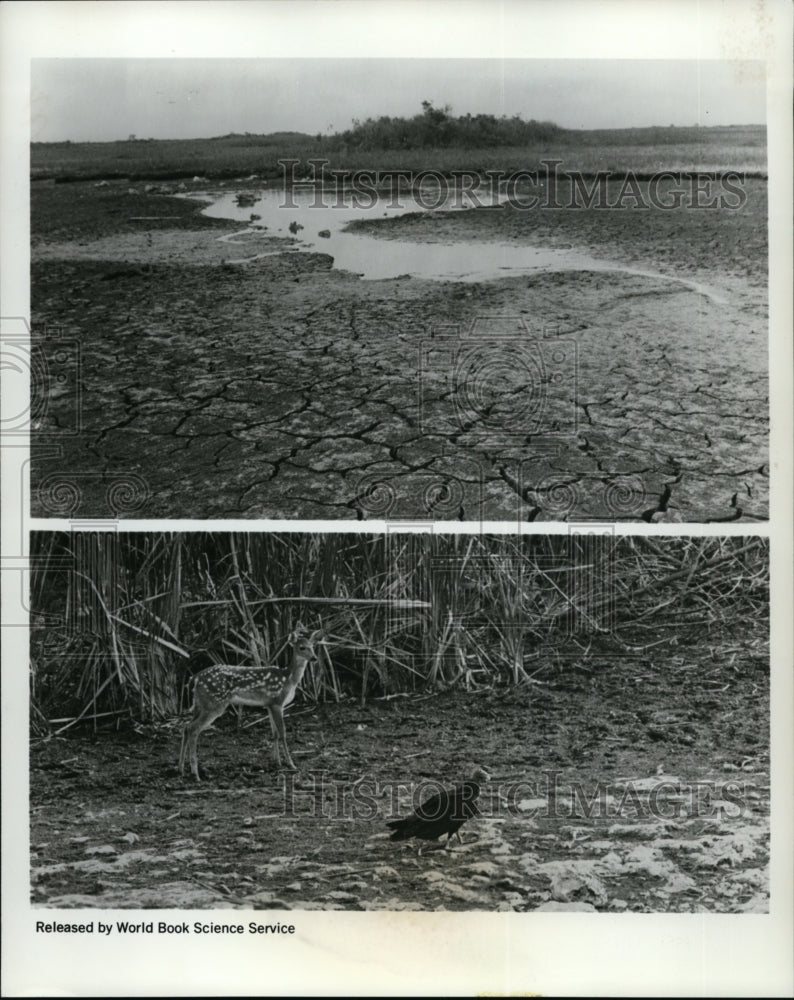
<point x="434" y="808"/>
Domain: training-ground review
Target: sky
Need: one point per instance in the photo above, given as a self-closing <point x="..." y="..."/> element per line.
<point x="106" y="99"/>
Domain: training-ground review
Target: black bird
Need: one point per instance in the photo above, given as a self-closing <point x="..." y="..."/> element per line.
<point x="441" y="814"/>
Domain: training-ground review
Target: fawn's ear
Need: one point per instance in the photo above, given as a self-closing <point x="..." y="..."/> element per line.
<point x="317" y="635"/>
<point x="299" y="630"/>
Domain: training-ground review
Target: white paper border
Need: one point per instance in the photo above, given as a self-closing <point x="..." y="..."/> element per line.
<point x="407" y="953"/>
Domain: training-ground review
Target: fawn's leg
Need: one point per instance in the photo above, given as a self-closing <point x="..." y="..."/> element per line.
<point x="194" y="729"/>
<point x="277" y="715"/>
<point x="274" y="733"/>
<point x="182" y="748"/>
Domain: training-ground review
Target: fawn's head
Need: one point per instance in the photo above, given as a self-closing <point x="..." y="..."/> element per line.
<point x="303" y="646"/>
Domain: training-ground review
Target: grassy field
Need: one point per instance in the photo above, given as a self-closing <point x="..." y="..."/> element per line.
<point x="740" y="148"/>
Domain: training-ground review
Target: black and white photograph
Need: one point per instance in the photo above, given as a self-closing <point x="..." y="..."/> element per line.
<point x="267" y="721"/>
<point x="396" y="437"/>
<point x="450" y="289"/>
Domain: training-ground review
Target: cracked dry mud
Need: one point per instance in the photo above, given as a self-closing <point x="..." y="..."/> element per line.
<point x="682" y="825"/>
<point x="177" y="384"/>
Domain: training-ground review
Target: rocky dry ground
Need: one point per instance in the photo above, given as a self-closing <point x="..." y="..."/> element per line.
<point x="594" y="804"/>
<point x="175" y="383"/>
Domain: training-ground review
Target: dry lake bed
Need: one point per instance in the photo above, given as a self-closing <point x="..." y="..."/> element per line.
<point x="489" y="363"/>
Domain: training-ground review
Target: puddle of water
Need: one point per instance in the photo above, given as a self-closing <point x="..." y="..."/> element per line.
<point x="378" y="259"/>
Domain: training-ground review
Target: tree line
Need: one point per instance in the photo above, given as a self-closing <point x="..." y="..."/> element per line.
<point x="438" y="128"/>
